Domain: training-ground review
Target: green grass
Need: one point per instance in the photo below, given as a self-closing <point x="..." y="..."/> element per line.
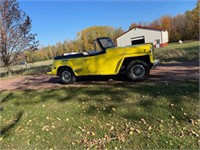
<point x="188" y="51"/>
<point x="130" y="116"/>
<point x="36" y="68"/>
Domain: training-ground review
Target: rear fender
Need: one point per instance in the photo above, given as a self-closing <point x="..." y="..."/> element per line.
<point x="63" y="67"/>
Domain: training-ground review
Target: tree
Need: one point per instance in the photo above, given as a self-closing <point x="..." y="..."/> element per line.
<point x="193" y="21"/>
<point x="165" y="22"/>
<point x="155" y="24"/>
<point x="133" y="25"/>
<point x="86" y="36"/>
<point x="117" y="32"/>
<point x="15" y="36"/>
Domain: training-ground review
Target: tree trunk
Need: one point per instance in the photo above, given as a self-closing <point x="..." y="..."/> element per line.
<point x="9" y="71"/>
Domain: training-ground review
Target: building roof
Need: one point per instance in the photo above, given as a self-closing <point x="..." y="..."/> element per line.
<point x="142" y="27"/>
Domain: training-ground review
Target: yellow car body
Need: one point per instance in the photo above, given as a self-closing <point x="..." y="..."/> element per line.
<point x="108" y="62"/>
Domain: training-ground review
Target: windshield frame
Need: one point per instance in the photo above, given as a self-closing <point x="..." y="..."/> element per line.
<point x="101" y="41"/>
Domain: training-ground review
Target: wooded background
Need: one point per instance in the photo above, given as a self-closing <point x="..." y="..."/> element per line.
<point x="181" y="27"/>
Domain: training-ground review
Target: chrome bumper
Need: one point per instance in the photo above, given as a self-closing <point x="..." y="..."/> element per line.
<point x="48" y="73"/>
<point x="156" y="63"/>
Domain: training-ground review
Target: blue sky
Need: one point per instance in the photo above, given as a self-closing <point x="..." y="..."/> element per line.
<point x="55" y="21"/>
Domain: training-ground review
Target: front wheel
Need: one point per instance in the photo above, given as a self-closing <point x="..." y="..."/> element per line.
<point x="137" y="70"/>
<point x="67" y="76"/>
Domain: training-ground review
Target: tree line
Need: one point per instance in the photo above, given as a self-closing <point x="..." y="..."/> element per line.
<point x="84" y="42"/>
<point x="181" y="27"/>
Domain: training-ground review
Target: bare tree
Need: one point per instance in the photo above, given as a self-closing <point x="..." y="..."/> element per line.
<point x="15" y="36"/>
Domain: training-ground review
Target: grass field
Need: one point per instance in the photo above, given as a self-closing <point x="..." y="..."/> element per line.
<point x="143" y="115"/>
<point x="188" y="51"/>
<point x="36" y="68"/>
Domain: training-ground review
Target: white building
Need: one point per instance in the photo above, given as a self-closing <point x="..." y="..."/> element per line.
<point x="142" y="34"/>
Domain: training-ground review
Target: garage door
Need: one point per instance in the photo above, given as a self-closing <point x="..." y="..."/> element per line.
<point x="137" y="40"/>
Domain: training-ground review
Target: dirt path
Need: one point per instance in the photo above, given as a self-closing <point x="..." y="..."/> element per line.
<point x="165" y="72"/>
<point x="176" y="71"/>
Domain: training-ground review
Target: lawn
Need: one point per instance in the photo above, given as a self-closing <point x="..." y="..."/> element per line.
<point x="188" y="51"/>
<point x="142" y="115"/>
<point x="35" y="68"/>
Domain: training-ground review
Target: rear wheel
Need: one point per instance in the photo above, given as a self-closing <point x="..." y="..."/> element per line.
<point x="137" y="70"/>
<point x="67" y="76"/>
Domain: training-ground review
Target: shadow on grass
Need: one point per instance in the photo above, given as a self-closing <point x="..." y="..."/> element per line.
<point x="117" y="91"/>
<point x="148" y="97"/>
<point x="93" y="109"/>
<point x="7" y="97"/>
<point x="6" y="129"/>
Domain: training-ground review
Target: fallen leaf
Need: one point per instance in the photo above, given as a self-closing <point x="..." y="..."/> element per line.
<point x="58" y="119"/>
<point x="113" y="109"/>
<point x="28" y="142"/>
<point x="112" y="128"/>
<point x="131" y="132"/>
<point x="143" y="121"/>
<point x="138" y="131"/>
<point x="93" y="134"/>
<point x="149" y="128"/>
<point x="45" y="128"/>
<point x="194" y="133"/>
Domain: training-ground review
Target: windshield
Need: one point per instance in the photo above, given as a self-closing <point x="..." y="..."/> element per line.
<point x="97" y="47"/>
<point x="106" y="43"/>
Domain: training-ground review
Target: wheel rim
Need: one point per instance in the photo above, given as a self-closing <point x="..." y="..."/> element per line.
<point x="66" y="76"/>
<point x="137" y="71"/>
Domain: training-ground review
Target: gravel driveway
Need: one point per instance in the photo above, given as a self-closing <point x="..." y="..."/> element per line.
<point x="184" y="71"/>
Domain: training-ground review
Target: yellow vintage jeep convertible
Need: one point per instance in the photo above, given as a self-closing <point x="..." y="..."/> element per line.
<point x="135" y="61"/>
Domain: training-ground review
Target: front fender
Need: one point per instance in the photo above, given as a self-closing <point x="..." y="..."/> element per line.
<point x="119" y="64"/>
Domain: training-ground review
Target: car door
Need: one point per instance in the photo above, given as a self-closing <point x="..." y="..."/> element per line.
<point x="96" y="64"/>
<point x="102" y="62"/>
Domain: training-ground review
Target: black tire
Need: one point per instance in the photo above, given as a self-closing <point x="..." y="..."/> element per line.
<point x="67" y="76"/>
<point x="137" y="70"/>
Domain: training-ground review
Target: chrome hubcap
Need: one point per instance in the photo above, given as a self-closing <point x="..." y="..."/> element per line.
<point x="137" y="71"/>
<point x="66" y="75"/>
